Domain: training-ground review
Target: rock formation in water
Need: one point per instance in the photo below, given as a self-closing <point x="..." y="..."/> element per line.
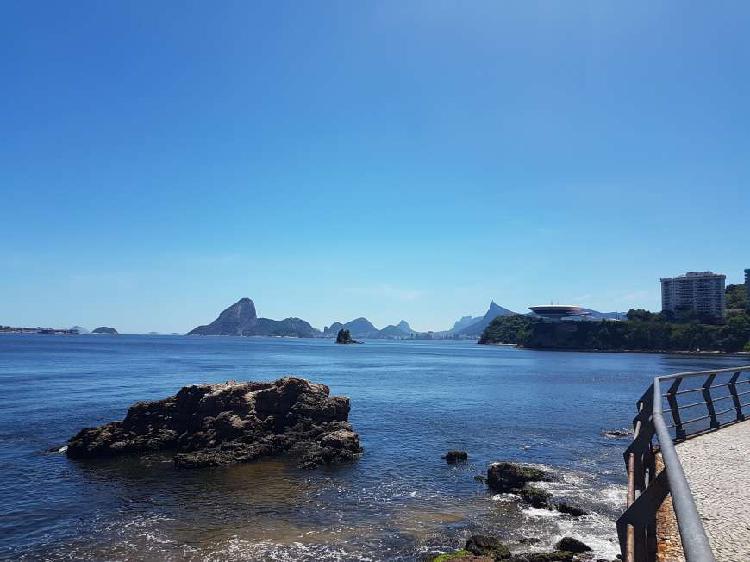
<point x="232" y="422"/>
<point x="484" y="548"/>
<point x="345" y="337"/>
<point x="104" y="330"/>
<point x="241" y="319"/>
<point x="512" y="478"/>
<point x="454" y="457"/>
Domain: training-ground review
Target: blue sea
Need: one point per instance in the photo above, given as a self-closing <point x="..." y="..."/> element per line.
<point x="411" y="402"/>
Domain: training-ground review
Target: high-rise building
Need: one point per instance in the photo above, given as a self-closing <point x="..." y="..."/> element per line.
<point x="701" y="292"/>
<point x="747" y="287"/>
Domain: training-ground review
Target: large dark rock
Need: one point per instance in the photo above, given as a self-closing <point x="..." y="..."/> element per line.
<point x="345" y="337"/>
<point x="482" y="545"/>
<point x="104" y="330"/>
<point x="233" y="422"/>
<point x="508" y="477"/>
<point x="572" y="510"/>
<point x="537" y="497"/>
<point x="569" y="544"/>
<point x="454" y="457"/>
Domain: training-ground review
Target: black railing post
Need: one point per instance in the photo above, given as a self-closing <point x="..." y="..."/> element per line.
<point x="709" y="400"/>
<point x="674" y="408"/>
<point x="736" y="396"/>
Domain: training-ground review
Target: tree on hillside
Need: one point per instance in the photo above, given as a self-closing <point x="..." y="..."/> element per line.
<point x="736" y="296"/>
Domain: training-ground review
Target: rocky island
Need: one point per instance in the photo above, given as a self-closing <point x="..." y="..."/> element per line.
<point x="232" y="422"/>
<point x="345" y="337"/>
<point x="105" y="330"/>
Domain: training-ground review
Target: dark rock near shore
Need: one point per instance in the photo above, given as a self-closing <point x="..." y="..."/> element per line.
<point x="569" y="544"/>
<point x="535" y="496"/>
<point x="508" y="477"/>
<point x="482" y="545"/>
<point x="618" y="433"/>
<point x="572" y="510"/>
<point x="232" y="422"/>
<point x="453" y="457"/>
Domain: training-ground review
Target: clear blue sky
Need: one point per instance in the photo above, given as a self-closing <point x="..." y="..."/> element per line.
<point x="391" y="159"/>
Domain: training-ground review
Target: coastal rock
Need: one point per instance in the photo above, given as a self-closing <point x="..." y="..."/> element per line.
<point x="508" y="477"/>
<point x="482" y="545"/>
<point x="232" y="422"/>
<point x="618" y="433"/>
<point x="104" y="330"/>
<point x="569" y="544"/>
<point x="535" y="496"/>
<point x="572" y="510"/>
<point x="453" y="457"/>
<point x="345" y="337"/>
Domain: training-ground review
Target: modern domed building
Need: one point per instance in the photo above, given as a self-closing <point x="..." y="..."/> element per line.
<point x="558" y="311"/>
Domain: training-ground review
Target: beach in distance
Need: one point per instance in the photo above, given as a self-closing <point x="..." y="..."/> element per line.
<point x="411" y="401"/>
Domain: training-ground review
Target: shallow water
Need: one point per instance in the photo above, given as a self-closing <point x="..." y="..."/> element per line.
<point x="411" y="402"/>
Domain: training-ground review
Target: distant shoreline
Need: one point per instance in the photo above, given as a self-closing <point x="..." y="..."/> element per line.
<point x="653" y="351"/>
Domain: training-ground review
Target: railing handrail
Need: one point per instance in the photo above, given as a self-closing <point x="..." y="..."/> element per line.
<point x="694" y="540"/>
<point x="647" y="489"/>
<point x="690" y="374"/>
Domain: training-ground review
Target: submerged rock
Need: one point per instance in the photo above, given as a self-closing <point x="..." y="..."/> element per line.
<point x="535" y="496"/>
<point x="618" y="433"/>
<point x="482" y="545"/>
<point x="508" y="477"/>
<point x="572" y="510"/>
<point x="453" y="457"/>
<point x="232" y="422"/>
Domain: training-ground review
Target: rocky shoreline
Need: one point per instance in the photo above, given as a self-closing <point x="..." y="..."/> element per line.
<point x="519" y="480"/>
<point x="232" y="422"/>
<point x="238" y="422"/>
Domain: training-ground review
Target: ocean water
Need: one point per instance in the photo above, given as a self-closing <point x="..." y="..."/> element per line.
<point x="411" y="402"/>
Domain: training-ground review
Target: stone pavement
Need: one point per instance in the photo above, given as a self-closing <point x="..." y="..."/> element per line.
<point x="717" y="466"/>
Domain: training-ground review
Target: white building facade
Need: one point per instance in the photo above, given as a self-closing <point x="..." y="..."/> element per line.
<point x="699" y="291"/>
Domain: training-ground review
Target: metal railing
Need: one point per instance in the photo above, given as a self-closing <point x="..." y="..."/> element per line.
<point x="649" y="487"/>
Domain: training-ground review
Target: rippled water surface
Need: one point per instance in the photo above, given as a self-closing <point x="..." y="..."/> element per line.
<point x="411" y="402"/>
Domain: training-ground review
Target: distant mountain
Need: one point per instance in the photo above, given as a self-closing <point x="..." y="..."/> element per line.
<point x="404" y="327"/>
<point x="289" y="327"/>
<point x="241" y="319"/>
<point x="358" y="328"/>
<point x="464" y="322"/>
<point x="400" y="330"/>
<point x="104" y="330"/>
<point x="80" y="330"/>
<point x="363" y="328"/>
<point x="476" y="328"/>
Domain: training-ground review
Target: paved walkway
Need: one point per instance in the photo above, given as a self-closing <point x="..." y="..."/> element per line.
<point x="717" y="466"/>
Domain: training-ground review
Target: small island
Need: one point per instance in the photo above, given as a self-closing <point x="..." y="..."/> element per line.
<point x="105" y="330"/>
<point x="345" y="337"/>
